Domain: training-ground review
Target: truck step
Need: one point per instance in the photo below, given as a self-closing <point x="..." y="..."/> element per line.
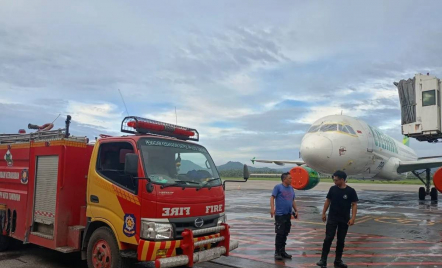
<point x="77" y="227"/>
<point x="42" y="235"/>
<point x="66" y="249"/>
<point x="74" y="237"/>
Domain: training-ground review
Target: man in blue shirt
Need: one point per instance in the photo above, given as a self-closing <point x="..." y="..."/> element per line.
<point x="283" y="196"/>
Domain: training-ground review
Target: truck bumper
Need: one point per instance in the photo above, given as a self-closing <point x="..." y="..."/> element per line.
<point x="201" y="256"/>
<point x="188" y="250"/>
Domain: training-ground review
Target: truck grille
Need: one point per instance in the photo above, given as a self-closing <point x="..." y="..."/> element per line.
<point x="189" y="223"/>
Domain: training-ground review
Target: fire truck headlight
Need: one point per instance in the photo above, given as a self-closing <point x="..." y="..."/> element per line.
<point x="156" y="231"/>
<point x="222" y="219"/>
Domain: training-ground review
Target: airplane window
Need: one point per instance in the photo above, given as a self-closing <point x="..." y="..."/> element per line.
<point x="329" y="127"/>
<point x="313" y="129"/>
<point x="342" y="129"/>
<point x="350" y="129"/>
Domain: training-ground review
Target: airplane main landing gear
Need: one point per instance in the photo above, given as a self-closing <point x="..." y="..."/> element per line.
<point x="422" y="193"/>
<point x="433" y="194"/>
<point x="427" y="190"/>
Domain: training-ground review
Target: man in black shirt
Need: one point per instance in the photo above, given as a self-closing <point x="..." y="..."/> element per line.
<point x="341" y="197"/>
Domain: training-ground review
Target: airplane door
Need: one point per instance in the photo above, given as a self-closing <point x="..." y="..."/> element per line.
<point x="370" y="141"/>
<point x="369" y="137"/>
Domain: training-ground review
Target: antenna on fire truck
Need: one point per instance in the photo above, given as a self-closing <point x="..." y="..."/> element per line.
<point x="123" y="102"/>
<point x="56" y="118"/>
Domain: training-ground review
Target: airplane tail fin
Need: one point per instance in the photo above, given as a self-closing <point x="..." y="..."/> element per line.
<point x="406" y="141"/>
<point x="253" y="160"/>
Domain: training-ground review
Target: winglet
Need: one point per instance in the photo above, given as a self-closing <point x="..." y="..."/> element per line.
<point x="253" y="160"/>
<point x="406" y="141"/>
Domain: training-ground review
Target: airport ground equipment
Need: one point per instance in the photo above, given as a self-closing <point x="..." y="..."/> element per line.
<point x="420" y="99"/>
<point x="149" y="195"/>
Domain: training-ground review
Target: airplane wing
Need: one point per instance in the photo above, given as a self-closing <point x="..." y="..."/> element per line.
<point x="430" y="157"/>
<point x="278" y="162"/>
<point x="405" y="166"/>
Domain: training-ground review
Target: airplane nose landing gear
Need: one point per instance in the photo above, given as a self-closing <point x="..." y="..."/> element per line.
<point x="427" y="190"/>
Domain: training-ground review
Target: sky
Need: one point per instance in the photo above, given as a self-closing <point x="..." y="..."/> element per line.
<point x="251" y="76"/>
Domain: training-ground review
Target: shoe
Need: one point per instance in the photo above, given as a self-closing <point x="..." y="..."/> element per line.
<point x="340" y="264"/>
<point x="322" y="264"/>
<point x="278" y="256"/>
<point x="285" y="255"/>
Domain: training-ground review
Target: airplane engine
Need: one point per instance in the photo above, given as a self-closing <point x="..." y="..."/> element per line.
<point x="437" y="180"/>
<point x="389" y="171"/>
<point x="304" y="178"/>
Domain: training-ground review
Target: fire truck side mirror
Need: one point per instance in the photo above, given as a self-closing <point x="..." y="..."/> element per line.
<point x="131" y="164"/>
<point x="246" y="177"/>
<point x="246" y="173"/>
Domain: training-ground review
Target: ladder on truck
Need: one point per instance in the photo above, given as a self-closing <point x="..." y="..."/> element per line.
<point x="42" y="135"/>
<point x="38" y="136"/>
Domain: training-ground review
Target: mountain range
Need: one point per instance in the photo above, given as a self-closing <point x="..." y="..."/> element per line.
<point x="239" y="166"/>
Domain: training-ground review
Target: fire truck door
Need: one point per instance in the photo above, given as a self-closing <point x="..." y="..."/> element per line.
<point x="112" y="195"/>
<point x="46" y="190"/>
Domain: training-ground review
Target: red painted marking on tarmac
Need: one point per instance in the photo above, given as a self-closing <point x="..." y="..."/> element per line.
<point x="370" y="255"/>
<point x="310" y="232"/>
<point x="320" y="248"/>
<point x="354" y="237"/>
<point x="355" y="264"/>
<point x="247" y="239"/>
<point x="260" y="242"/>
<point x="360" y="264"/>
<point x="267" y="233"/>
<point x="263" y="260"/>
<point x="269" y="228"/>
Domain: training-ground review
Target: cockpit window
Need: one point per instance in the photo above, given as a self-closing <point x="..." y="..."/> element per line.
<point x="329" y="127"/>
<point x="313" y="129"/>
<point x="342" y="128"/>
<point x="350" y="129"/>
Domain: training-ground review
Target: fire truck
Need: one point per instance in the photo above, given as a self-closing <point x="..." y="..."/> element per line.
<point x="151" y="195"/>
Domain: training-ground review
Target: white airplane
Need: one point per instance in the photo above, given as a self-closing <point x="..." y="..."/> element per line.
<point x="339" y="142"/>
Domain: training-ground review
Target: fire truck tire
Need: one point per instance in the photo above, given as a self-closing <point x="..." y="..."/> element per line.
<point x="5" y="241"/>
<point x="102" y="250"/>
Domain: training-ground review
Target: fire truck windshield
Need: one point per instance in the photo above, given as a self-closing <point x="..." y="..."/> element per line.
<point x="170" y="162"/>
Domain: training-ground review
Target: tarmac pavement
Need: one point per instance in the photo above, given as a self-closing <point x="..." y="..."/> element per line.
<point x="393" y="229"/>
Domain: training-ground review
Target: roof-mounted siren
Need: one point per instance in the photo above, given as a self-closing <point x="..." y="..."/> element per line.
<point x="139" y="125"/>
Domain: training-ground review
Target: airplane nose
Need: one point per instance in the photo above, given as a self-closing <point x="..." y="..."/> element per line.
<point x="316" y="150"/>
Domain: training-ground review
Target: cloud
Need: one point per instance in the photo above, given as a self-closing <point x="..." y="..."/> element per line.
<point x="249" y="75"/>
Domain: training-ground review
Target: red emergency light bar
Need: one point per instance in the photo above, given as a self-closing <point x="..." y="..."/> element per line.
<point x="138" y="125"/>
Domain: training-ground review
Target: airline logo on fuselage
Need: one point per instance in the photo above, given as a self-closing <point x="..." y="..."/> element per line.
<point x="383" y="141"/>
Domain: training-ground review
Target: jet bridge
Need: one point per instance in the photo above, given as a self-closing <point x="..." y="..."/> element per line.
<point x="421" y="107"/>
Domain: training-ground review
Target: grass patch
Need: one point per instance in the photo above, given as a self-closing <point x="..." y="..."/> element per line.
<point x="406" y="181"/>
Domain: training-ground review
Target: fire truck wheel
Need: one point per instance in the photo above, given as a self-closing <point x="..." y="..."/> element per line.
<point x="5" y="241"/>
<point x="102" y="250"/>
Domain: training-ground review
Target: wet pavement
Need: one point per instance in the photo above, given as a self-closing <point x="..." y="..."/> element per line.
<point x="393" y="229"/>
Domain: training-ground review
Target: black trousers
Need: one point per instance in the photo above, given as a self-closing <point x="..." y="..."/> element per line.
<point x="282" y="230"/>
<point x="330" y="231"/>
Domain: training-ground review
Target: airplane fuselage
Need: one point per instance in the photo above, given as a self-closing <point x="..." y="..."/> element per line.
<point x="345" y="143"/>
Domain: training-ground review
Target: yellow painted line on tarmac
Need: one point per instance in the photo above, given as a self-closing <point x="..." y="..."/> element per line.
<point x="363" y="219"/>
<point x="272" y="219"/>
<point x="360" y="220"/>
<point x="404" y="221"/>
